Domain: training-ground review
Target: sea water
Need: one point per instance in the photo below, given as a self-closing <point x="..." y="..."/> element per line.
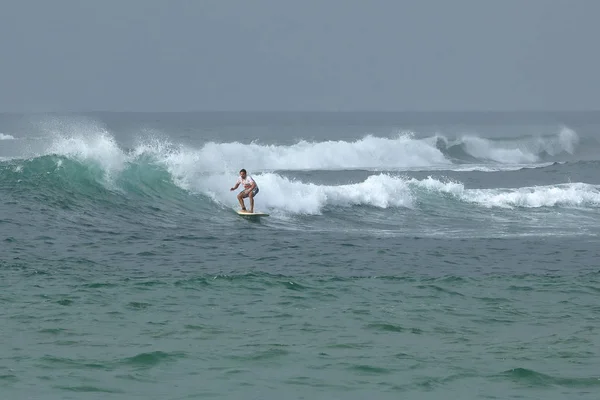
<point x="414" y="256"/>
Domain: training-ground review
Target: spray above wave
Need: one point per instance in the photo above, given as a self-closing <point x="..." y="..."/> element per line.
<point x="4" y="136"/>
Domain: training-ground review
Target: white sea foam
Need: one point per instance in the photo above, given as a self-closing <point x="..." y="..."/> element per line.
<point x="385" y="191"/>
<point x="566" y="195"/>
<point x="4" y="136"/>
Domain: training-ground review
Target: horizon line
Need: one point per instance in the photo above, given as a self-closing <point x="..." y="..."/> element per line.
<point x="527" y="111"/>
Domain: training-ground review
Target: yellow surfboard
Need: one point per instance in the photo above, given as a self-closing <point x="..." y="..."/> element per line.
<point x="249" y="214"/>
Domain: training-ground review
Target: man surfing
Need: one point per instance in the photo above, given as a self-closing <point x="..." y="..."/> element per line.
<point x="250" y="189"/>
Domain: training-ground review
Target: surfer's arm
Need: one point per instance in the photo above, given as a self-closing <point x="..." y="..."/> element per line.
<point x="236" y="186"/>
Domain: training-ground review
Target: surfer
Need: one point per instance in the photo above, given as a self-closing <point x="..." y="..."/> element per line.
<point x="250" y="189"/>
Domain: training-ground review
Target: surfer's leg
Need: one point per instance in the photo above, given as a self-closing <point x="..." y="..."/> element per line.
<point x="251" y="196"/>
<point x="240" y="197"/>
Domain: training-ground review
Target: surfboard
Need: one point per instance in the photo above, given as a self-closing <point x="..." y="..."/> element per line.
<point x="249" y="214"/>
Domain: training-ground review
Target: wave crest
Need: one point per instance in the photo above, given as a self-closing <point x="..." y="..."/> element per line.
<point x="401" y="152"/>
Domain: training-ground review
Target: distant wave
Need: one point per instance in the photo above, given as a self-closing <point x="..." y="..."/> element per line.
<point x="512" y="151"/>
<point x="6" y="137"/>
<point x="369" y="152"/>
<point x="401" y="152"/>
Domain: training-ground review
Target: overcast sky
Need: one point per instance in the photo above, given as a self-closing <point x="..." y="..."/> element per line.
<point x="175" y="55"/>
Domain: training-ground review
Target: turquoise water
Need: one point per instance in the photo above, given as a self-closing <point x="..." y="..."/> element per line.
<point x="394" y="265"/>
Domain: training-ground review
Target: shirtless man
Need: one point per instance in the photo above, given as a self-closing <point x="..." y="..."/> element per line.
<point x="250" y="189"/>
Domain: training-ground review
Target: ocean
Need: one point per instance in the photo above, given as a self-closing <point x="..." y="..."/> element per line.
<point x="405" y="255"/>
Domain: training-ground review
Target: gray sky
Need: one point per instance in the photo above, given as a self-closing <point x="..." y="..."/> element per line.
<point x="149" y="55"/>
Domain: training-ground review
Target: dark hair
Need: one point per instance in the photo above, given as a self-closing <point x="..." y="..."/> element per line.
<point x="243" y="170"/>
